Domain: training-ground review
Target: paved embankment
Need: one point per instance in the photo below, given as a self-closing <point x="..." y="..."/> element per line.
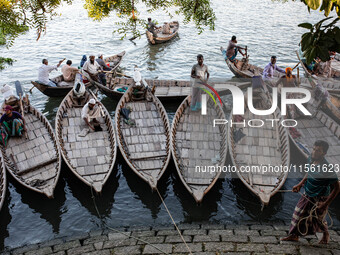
<point x="208" y="239"/>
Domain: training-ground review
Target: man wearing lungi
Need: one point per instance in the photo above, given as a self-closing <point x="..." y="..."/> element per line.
<point x="321" y="187"/>
<point x="200" y="74"/>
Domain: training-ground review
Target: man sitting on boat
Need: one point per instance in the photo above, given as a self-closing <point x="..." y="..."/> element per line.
<point x="11" y="123"/>
<point x="321" y="187"/>
<point x="152" y="27"/>
<point x="200" y="74"/>
<point x="268" y="72"/>
<point x="233" y="49"/>
<point x="93" y="69"/>
<point x="44" y="71"/>
<point x="90" y="112"/>
<point x="69" y="72"/>
<point x="101" y="62"/>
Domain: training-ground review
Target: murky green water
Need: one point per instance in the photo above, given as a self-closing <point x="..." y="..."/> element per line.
<point x="267" y="28"/>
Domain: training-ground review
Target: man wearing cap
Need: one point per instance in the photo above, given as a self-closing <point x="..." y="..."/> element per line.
<point x="90" y="112"/>
<point x="101" y="62"/>
<point x="44" y="71"/>
<point x="93" y="69"/>
<point x="12" y="122"/>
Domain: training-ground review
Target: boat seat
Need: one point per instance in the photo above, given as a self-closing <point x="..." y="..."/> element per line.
<point x="27" y="170"/>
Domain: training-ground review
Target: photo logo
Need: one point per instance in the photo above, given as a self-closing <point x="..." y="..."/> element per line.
<point x="239" y="106"/>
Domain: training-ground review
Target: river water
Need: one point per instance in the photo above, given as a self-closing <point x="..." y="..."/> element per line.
<point x="266" y="27"/>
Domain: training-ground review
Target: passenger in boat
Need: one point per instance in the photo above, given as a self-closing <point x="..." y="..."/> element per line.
<point x="102" y="63"/>
<point x="321" y="186"/>
<point x="268" y="72"/>
<point x="200" y="74"/>
<point x="94" y="70"/>
<point x="287" y="80"/>
<point x="233" y="49"/>
<point x="11" y="123"/>
<point x="152" y="27"/>
<point x="166" y="28"/>
<point x="90" y="112"/>
<point x="69" y="72"/>
<point x="44" y="71"/>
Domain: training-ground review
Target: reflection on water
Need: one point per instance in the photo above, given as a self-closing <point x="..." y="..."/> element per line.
<point x="266" y="27"/>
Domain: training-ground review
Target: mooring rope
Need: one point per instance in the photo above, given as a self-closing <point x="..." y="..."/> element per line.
<point x="179" y="232"/>
<point x="312" y="214"/>
<point x="121" y="232"/>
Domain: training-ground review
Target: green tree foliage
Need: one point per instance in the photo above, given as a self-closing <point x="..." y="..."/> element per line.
<point x="325" y="5"/>
<point x="4" y="62"/>
<point x="320" y="40"/>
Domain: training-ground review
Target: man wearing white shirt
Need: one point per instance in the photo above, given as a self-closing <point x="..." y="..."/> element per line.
<point x="94" y="70"/>
<point x="44" y="71"/>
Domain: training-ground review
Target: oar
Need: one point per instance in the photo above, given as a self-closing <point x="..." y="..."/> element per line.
<point x="296" y="65"/>
<point x="20" y="93"/>
<point x="124" y="75"/>
<point x="136" y="36"/>
<point x="30" y="91"/>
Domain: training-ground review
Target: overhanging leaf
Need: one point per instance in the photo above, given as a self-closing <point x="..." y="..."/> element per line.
<point x="306" y="25"/>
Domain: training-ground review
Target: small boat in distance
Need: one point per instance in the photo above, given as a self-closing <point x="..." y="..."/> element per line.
<point x="162" y="38"/>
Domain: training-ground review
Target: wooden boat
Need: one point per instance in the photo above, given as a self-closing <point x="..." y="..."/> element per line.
<point x="3" y="181"/>
<point x="268" y="145"/>
<point x="166" y="90"/>
<point x="319" y="126"/>
<point x="91" y="157"/>
<point x="34" y="161"/>
<point x="332" y="85"/>
<point x="196" y="143"/>
<point x="64" y="87"/>
<point x="331" y="104"/>
<point x="145" y="146"/>
<point x="162" y="38"/>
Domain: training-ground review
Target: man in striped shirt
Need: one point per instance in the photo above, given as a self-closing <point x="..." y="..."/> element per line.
<point x="321" y="187"/>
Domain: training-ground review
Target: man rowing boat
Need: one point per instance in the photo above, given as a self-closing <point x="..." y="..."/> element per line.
<point x="233" y="49"/>
<point x="321" y="187"/>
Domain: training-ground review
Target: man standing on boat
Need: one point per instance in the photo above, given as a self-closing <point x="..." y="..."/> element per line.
<point x="94" y="70"/>
<point x="44" y="72"/>
<point x="269" y="70"/>
<point x="321" y="187"/>
<point x="233" y="49"/>
<point x="200" y="74"/>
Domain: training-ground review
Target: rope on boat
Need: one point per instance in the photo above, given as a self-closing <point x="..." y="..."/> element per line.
<point x="312" y="214"/>
<point x="179" y="232"/>
<point x="121" y="232"/>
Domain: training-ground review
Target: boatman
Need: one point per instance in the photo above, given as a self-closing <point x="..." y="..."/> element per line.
<point x="321" y="187"/>
<point x="90" y="112"/>
<point x="152" y="27"/>
<point x="94" y="70"/>
<point x="200" y="75"/>
<point x="44" y="71"/>
<point x="233" y="49"/>
<point x="268" y="72"/>
<point x="11" y="124"/>
<point x="69" y="72"/>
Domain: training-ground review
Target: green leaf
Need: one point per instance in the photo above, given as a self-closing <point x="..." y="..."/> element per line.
<point x="322" y="53"/>
<point x="313" y="4"/>
<point x="326" y="6"/>
<point x="306" y="25"/>
<point x="306" y="41"/>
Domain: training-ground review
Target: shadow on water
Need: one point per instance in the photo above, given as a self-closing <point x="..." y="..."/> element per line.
<point x="51" y="107"/>
<point x="194" y="212"/>
<point x="154" y="52"/>
<point x="82" y="192"/>
<point x="143" y="191"/>
<point x="41" y="204"/>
